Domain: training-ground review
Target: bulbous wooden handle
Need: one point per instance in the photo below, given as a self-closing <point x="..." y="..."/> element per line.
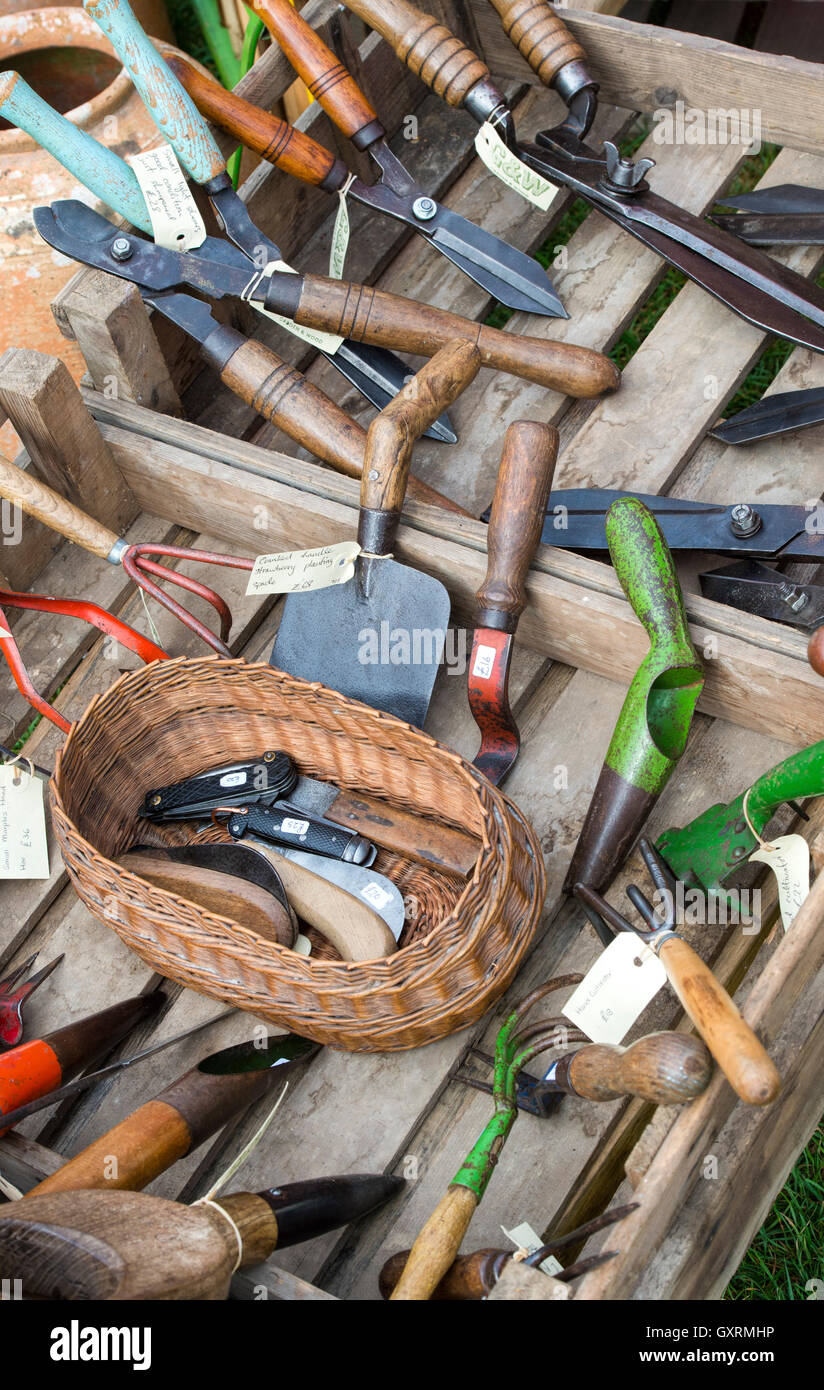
<point x="468" y="1279"/>
<point x="733" y="1044"/>
<point x="428" y="48"/>
<point x="665" y="1068"/>
<point x="516" y="521"/>
<point x="815" y="651"/>
<point x="274" y="140"/>
<point x="48" y="506"/>
<point x="372" y="316"/>
<point x="392" y="433"/>
<point x="327" y="79"/>
<point x="540" y="36"/>
<point x="436" y="1246"/>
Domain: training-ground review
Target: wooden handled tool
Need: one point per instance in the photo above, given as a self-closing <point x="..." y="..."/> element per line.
<point x="515" y="523"/>
<point x="540" y="36"/>
<point x="664" y="1068"/>
<point x="156" y="1135"/>
<point x="373" y="316"/>
<point x="427" y="47"/>
<point x="124" y="1245"/>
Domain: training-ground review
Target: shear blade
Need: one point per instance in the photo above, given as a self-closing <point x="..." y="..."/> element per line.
<point x="773" y="416"/>
<point x="782" y="198"/>
<point x="509" y="275"/>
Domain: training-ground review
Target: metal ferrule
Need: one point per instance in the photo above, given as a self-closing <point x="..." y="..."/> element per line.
<point x="366" y="137"/>
<point x="376" y="531"/>
<point x="485" y="100"/>
<point x="572" y="78"/>
<point x="479" y="1164"/>
<point x="656" y="939"/>
<point x="118" y="550"/>
<point x="221" y="346"/>
<point x="282" y="293"/>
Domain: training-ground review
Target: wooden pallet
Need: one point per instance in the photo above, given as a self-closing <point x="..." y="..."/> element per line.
<point x="577" y="646"/>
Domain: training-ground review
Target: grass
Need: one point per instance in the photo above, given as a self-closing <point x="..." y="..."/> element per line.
<point x="788" y="1252"/>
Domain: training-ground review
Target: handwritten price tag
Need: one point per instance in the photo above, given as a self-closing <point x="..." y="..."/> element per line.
<point x="616" y="989"/>
<point x="23" y="847"/>
<point x="176" y="222"/>
<point x="789" y="858"/>
<point x="296" y="571"/>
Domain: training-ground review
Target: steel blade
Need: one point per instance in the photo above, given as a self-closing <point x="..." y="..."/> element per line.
<point x="754" y="588"/>
<point x="783" y="197"/>
<point x="774" y="229"/>
<point x="373" y="888"/>
<point x="774" y="415"/>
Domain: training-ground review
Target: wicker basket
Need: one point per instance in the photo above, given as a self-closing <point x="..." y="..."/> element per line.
<point x="175" y="718"/>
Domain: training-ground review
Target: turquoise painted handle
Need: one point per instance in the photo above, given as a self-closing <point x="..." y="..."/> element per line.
<point x="101" y="170"/>
<point x="172" y="110"/>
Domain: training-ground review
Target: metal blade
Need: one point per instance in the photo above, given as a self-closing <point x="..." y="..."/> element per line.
<point x="773" y="416"/>
<point x="366" y="884"/>
<point x="774" y="229"/>
<point x="783" y="197"/>
<point x="756" y="588"/>
<point x="488" y="692"/>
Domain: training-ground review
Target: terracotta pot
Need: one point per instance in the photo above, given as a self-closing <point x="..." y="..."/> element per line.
<point x="151" y="13"/>
<point x="64" y="56"/>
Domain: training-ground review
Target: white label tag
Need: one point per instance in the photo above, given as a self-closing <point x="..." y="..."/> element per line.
<point x="233" y="779"/>
<point x="340" y="238"/>
<point x="24" y="850"/>
<point x="616" y="989"/>
<point x="295" y="571"/>
<point x="511" y="170"/>
<point x="289" y="826"/>
<point x="525" y="1238"/>
<point x="789" y="858"/>
<point x="176" y="222"/>
<point x="324" y="342"/>
<point x="484" y="662"/>
<point x="377" y="896"/>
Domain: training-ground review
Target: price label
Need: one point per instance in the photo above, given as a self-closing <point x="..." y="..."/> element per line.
<point x="506" y="166"/>
<point x="789" y="858"/>
<point x="23" y="846"/>
<point x="484" y="662"/>
<point x="616" y="989"/>
<point x="296" y="571"/>
<point x="527" y="1240"/>
<point x="176" y="222"/>
<point x="324" y="342"/>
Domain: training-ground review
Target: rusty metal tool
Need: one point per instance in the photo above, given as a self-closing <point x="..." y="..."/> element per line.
<point x="755" y="588"/>
<point x="128" y="1246"/>
<point x="747" y="281"/>
<point x="738" y="1052"/>
<point x="14" y="992"/>
<point x="521" y="492"/>
<point x="341" y="621"/>
<point x="787" y="214"/>
<point x="473" y="1277"/>
<point x="652" y="728"/>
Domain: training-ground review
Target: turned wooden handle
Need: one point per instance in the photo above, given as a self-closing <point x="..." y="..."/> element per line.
<point x="428" y="48"/>
<point x="373" y="316"/>
<point x="436" y="1246"/>
<point x="355" y="929"/>
<point x="327" y="79"/>
<point x="733" y="1044"/>
<point x="274" y="140"/>
<point x="130" y="1156"/>
<point x="392" y="434"/>
<point x="815" y="651"/>
<point x="665" y="1068"/>
<point x="42" y="502"/>
<point x="516" y="521"/>
<point x="540" y="36"/>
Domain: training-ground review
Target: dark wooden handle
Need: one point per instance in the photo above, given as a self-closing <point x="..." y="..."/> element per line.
<point x="516" y="521"/>
<point x="274" y="140"/>
<point x="665" y="1068"/>
<point x="392" y="434"/>
<point x="428" y="48"/>
<point x="372" y="316"/>
<point x="468" y="1279"/>
<point x="733" y="1044"/>
<point x="540" y="36"/>
<point x="425" y="840"/>
<point x="327" y="79"/>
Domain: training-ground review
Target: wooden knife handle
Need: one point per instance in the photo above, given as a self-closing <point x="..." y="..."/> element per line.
<point x="27" y="492"/>
<point x="540" y="36"/>
<point x="428" y="48"/>
<point x="423" y="839"/>
<point x="274" y="140"/>
<point x="436" y="1246"/>
<point x="327" y="79"/>
<point x="733" y="1044"/>
<point x="665" y="1068"/>
<point x="392" y="433"/>
<point x="372" y="316"/>
<point x="516" y="521"/>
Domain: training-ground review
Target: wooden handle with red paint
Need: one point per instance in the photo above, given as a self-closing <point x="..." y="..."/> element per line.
<point x="274" y="140"/>
<point x="327" y="79"/>
<point x="516" y="521"/>
<point x="540" y="36"/>
<point x="428" y="48"/>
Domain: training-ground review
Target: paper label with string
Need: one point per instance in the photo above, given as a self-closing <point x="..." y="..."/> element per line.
<point x="323" y="342"/>
<point x="789" y="858"/>
<point x="297" y="571"/>
<point x="24" y="851"/>
<point x="616" y="989"/>
<point x="526" y="1239"/>
<point x="176" y="221"/>
<point x="340" y="235"/>
<point x="511" y="170"/>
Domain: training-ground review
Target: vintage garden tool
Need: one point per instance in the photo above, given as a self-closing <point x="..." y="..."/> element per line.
<point x="733" y="1044"/>
<point x="322" y="633"/>
<point x="69" y="608"/>
<point x="747" y="281"/>
<point x="312" y="301"/>
<point x="439" y="1241"/>
<point x="664" y="1068"/>
<point x="185" y="1114"/>
<point x="473" y="1277"/>
<point x="37" y="1070"/>
<point x="117" y="1246"/>
<point x="786" y="215"/>
<point x="507" y="274"/>
<point x="524" y="480"/>
<point x="14" y="991"/>
<point x="707" y="853"/>
<point x="755" y="588"/>
<point x="777" y="414"/>
<point x="652" y="728"/>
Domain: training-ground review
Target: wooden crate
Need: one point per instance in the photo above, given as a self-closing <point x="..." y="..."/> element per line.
<point x="221" y="480"/>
